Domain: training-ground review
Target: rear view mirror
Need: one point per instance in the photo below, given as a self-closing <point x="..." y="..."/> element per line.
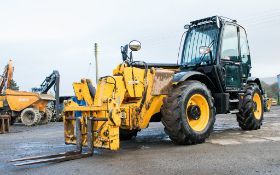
<point x="135" y="45"/>
<point x="204" y="50"/>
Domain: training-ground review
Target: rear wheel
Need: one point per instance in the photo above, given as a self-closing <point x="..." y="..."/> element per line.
<point x="13" y="119"/>
<point x="188" y="113"/>
<point x="30" y="116"/>
<point x="46" y="117"/>
<point x="250" y="115"/>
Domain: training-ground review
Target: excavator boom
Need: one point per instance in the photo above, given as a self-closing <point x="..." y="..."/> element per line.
<point x="6" y="78"/>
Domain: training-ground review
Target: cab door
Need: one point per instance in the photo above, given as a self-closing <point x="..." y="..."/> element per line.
<point x="244" y="55"/>
<point x="230" y="59"/>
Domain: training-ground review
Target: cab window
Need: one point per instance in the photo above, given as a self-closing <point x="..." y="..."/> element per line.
<point x="244" y="48"/>
<point x="230" y="44"/>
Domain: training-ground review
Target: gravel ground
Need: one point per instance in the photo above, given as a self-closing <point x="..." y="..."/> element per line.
<point x="229" y="150"/>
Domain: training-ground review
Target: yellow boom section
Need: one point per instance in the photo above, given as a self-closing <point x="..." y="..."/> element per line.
<point x="127" y="100"/>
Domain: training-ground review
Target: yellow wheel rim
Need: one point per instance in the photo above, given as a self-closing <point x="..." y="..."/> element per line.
<point x="258" y="106"/>
<point x="200" y="123"/>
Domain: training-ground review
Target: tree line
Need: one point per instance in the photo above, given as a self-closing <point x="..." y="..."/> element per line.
<point x="272" y="90"/>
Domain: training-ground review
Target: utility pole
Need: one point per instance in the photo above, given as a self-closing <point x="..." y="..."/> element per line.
<point x="96" y="61"/>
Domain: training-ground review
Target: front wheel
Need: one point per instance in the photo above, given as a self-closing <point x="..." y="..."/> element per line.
<point x="188" y="113"/>
<point x="250" y="115"/>
<point x="30" y="116"/>
<point x="126" y="134"/>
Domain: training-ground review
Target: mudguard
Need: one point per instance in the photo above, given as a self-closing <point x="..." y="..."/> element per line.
<point x="257" y="81"/>
<point x="194" y="75"/>
<point x="182" y="76"/>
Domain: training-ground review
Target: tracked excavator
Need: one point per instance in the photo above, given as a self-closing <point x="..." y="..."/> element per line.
<point x="51" y="81"/>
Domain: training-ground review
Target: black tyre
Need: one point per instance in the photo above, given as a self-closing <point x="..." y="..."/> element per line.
<point x="46" y="117"/>
<point x="188" y="113"/>
<point x="13" y="120"/>
<point x="30" y="116"/>
<point x="267" y="105"/>
<point x="126" y="134"/>
<point x="250" y="115"/>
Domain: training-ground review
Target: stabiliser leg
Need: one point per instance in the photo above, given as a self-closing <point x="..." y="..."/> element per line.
<point x="61" y="157"/>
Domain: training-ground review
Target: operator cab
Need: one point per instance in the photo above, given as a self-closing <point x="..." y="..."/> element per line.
<point x="219" y="42"/>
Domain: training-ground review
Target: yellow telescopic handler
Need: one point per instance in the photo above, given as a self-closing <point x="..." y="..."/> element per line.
<point x="213" y="77"/>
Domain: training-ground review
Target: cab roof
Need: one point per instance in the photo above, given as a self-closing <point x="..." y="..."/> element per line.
<point x="212" y="19"/>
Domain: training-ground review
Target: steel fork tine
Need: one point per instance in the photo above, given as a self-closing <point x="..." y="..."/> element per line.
<point x="52" y="160"/>
<point x="46" y="156"/>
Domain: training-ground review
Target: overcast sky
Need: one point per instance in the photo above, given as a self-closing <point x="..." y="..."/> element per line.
<point x="41" y="36"/>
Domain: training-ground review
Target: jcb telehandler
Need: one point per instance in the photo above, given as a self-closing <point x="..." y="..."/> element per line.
<point x="213" y="77"/>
